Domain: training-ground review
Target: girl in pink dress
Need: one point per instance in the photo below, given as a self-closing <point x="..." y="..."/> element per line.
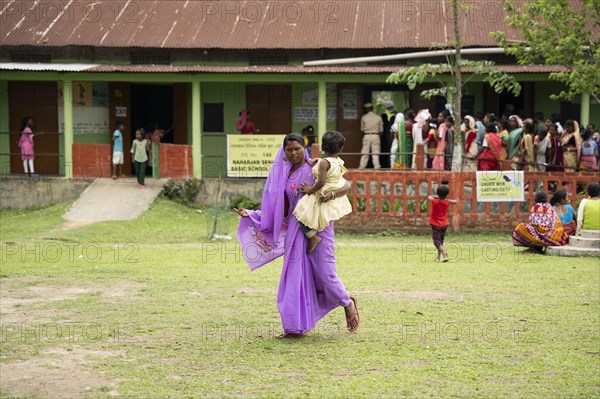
<point x="26" y="144"/>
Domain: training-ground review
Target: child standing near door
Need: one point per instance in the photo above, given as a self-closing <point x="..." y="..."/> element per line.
<point x="139" y="149"/>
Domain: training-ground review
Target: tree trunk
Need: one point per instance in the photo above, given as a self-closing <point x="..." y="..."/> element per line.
<point x="457" y="97"/>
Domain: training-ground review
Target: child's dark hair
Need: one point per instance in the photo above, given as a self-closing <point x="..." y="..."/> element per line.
<point x="333" y="142"/>
<point x="118" y="123"/>
<point x="558" y="197"/>
<point x="442" y="191"/>
<point x="594" y="190"/>
<point x="491" y="128"/>
<point x="541" y="197"/>
<point x="140" y="131"/>
<point x="25" y="121"/>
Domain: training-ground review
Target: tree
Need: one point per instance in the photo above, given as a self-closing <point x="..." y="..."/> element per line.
<point x="451" y="88"/>
<point x="558" y="32"/>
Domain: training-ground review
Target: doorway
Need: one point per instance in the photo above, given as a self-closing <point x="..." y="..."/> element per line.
<point x="150" y="105"/>
<point x="270" y="107"/>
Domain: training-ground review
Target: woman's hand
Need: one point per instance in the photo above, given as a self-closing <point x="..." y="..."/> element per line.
<point x="242" y="212"/>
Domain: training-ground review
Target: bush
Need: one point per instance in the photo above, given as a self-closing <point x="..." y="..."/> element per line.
<point x="241" y="201"/>
<point x="182" y="191"/>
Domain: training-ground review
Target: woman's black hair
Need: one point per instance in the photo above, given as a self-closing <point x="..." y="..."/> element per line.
<point x="409" y="114"/>
<point x="24" y="122"/>
<point x="569" y="124"/>
<point x="505" y="124"/>
<point x="293" y="137"/>
<point x="586" y="134"/>
<point x="594" y="190"/>
<point x="558" y="197"/>
<point x="527" y="127"/>
<point x="442" y="191"/>
<point x="333" y="142"/>
<point x="541" y="197"/>
<point x="491" y="128"/>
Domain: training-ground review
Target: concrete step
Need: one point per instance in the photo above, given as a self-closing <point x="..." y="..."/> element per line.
<point x="590" y="234"/>
<point x="567" y="250"/>
<point x="584" y="242"/>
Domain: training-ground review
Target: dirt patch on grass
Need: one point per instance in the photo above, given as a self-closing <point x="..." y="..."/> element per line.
<point x="58" y="373"/>
<point x="20" y="303"/>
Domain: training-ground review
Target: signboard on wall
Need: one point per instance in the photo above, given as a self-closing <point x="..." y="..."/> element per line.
<point x="251" y="155"/>
<point x="90" y="108"/>
<point x="500" y="186"/>
<point x="311" y="114"/>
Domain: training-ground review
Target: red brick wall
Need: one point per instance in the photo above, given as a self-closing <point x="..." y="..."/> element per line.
<point x="91" y="161"/>
<point x="175" y="161"/>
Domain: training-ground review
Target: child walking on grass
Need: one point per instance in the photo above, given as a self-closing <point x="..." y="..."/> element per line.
<point x="438" y="220"/>
<point x="312" y="214"/>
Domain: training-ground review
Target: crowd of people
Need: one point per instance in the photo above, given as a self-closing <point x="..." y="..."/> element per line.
<point x="508" y="142"/>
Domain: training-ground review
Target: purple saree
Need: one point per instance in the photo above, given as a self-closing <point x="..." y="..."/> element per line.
<point x="309" y="287"/>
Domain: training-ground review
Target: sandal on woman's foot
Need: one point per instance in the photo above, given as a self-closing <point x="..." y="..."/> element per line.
<point x="353" y="322"/>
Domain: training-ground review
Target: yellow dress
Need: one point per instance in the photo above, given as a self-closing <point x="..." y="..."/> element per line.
<point x="317" y="215"/>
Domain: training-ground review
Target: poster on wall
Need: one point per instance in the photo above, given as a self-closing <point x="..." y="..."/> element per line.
<point x="311" y="97"/>
<point x="349" y="104"/>
<point x="251" y="155"/>
<point x="90" y="108"/>
<point x="311" y="114"/>
<point x="500" y="186"/>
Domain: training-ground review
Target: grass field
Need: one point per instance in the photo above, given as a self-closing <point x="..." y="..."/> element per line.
<point x="150" y="308"/>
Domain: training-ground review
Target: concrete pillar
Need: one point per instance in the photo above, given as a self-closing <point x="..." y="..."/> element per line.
<point x="4" y="129"/>
<point x="322" y="122"/>
<point x="585" y="110"/>
<point x="197" y="128"/>
<point x="68" y="118"/>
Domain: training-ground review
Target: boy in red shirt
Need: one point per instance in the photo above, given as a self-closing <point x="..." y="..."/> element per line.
<point x="438" y="219"/>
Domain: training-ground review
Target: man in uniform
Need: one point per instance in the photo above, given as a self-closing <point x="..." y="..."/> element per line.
<point x="371" y="125"/>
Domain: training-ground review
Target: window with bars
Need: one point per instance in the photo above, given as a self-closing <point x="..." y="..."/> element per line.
<point x="150" y="59"/>
<point x="268" y="59"/>
<point x="31" y="57"/>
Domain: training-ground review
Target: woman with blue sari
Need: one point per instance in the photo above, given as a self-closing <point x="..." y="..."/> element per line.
<point x="309" y="287"/>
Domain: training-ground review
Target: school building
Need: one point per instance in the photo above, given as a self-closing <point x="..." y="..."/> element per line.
<point x="78" y="67"/>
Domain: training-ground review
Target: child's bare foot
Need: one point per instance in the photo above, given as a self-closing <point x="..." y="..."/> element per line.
<point x="313" y="242"/>
<point x="445" y="256"/>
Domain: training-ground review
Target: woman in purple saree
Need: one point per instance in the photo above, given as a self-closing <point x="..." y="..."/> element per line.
<point x="309" y="287"/>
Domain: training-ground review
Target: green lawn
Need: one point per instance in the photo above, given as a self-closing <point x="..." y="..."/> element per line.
<point x="151" y="308"/>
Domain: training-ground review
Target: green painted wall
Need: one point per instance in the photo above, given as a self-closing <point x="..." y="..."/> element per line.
<point x="4" y="128"/>
<point x="543" y="103"/>
<point x="297" y="101"/>
<point x="99" y="138"/>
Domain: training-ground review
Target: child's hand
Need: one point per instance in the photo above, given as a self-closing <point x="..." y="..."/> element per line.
<point x="312" y="161"/>
<point x="306" y="188"/>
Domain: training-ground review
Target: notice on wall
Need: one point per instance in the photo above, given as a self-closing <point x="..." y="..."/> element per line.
<point x="251" y="155"/>
<point x="90" y="108"/>
<point x="311" y="114"/>
<point x="311" y="97"/>
<point x="86" y="120"/>
<point x="121" y="112"/>
<point x="500" y="186"/>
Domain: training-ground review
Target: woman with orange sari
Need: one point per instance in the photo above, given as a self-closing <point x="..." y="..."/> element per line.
<point x="544" y="228"/>
<point x="503" y="127"/>
<point x="438" y="159"/>
<point x="490" y="154"/>
<point x="470" y="157"/>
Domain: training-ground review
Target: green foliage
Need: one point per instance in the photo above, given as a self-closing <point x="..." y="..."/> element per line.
<point x="416" y="75"/>
<point x="241" y="201"/>
<point x="553" y="32"/>
<point x="183" y="191"/>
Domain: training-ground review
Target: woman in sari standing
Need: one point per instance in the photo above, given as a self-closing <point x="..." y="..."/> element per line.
<point x="544" y="228"/>
<point x="438" y="159"/>
<point x="527" y="152"/>
<point x="571" y="144"/>
<point x="554" y="152"/>
<point x="470" y="157"/>
<point x="309" y="287"/>
<point x="513" y="146"/>
<point x="540" y="146"/>
<point x="503" y="127"/>
<point x="490" y="154"/>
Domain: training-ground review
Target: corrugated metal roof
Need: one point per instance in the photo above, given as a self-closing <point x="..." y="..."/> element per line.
<point x="250" y="69"/>
<point x="245" y="24"/>
<point x="23" y="66"/>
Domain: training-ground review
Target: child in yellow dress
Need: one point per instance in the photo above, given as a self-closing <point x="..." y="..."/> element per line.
<point x="312" y="214"/>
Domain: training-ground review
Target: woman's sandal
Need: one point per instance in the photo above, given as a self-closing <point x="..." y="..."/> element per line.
<point x="355" y="318"/>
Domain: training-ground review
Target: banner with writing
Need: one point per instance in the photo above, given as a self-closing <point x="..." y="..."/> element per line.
<point x="500" y="186"/>
<point x="251" y="155"/>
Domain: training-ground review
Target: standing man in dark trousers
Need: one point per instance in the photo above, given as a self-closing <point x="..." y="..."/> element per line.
<point x="371" y="126"/>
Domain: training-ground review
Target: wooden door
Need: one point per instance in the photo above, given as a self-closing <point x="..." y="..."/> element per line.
<point x="349" y="113"/>
<point x="38" y="100"/>
<point x="180" y="113"/>
<point x="270" y="107"/>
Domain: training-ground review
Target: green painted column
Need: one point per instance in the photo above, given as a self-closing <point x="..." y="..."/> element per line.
<point x="68" y="135"/>
<point x="322" y="122"/>
<point x="4" y="129"/>
<point x="585" y="110"/>
<point x="196" y="128"/>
